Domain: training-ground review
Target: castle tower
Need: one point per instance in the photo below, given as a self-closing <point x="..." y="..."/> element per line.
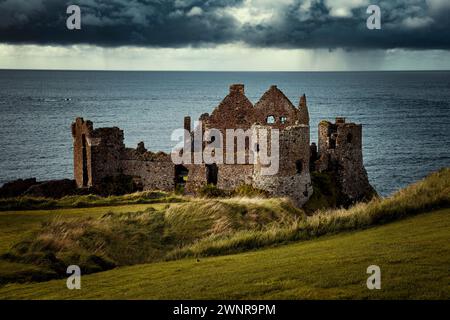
<point x="340" y="152"/>
<point x="96" y="153"/>
<point x="292" y="179"/>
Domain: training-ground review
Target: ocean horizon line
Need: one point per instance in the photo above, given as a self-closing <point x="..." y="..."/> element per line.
<point x="228" y="71"/>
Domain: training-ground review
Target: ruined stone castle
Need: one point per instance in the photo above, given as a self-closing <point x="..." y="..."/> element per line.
<point x="100" y="153"/>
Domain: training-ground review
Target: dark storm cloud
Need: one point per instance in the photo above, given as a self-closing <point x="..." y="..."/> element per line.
<point x="416" y="24"/>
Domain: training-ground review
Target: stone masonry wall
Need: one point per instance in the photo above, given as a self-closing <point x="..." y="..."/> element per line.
<point x="275" y="104"/>
<point x="293" y="178"/>
<point x="101" y="153"/>
<point x="107" y="147"/>
<point x="237" y="112"/>
<point x="81" y="152"/>
<point x="155" y="171"/>
<point x="96" y="152"/>
<point x="231" y="176"/>
<point x="196" y="178"/>
<point x="340" y="152"/>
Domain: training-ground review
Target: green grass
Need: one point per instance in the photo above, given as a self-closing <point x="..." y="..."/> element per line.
<point x="413" y="254"/>
<point x="37" y="245"/>
<point x="86" y="201"/>
<point x="431" y="193"/>
<point x="98" y="242"/>
<point x="194" y="228"/>
<point x="17" y="225"/>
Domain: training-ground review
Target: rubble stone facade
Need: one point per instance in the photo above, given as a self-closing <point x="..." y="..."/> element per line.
<point x="293" y="179"/>
<point x="340" y="152"/>
<point x="101" y="153"/>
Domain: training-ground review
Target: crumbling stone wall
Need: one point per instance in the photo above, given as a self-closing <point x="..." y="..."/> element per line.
<point x="81" y="132"/>
<point x="97" y="152"/>
<point x="107" y="147"/>
<point x="340" y="152"/>
<point x="155" y="171"/>
<point x="237" y="112"/>
<point x="293" y="178"/>
<point x="232" y="176"/>
<point x="101" y="153"/>
<point x="234" y="112"/>
<point x="275" y="104"/>
<point x="196" y="178"/>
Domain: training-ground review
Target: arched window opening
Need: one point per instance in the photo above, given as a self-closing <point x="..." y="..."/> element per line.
<point x="283" y="119"/>
<point x="181" y="175"/>
<point x="349" y="138"/>
<point x="332" y="141"/>
<point x="299" y="166"/>
<point x="211" y="173"/>
<point x="270" y="120"/>
<point x="305" y="193"/>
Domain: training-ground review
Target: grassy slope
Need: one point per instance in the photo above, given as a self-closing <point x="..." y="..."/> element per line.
<point x="87" y="201"/>
<point x="414" y="256"/>
<point x="14" y="225"/>
<point x="17" y="225"/>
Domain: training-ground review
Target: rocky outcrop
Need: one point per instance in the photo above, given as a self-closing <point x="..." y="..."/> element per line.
<point x="17" y="187"/>
<point x="53" y="189"/>
<point x="32" y="187"/>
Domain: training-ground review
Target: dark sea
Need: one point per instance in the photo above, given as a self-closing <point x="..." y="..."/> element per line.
<point x="405" y="115"/>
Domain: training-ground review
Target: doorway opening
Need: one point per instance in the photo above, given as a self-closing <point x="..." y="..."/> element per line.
<point x="212" y="172"/>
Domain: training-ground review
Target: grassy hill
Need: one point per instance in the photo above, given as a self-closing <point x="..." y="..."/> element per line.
<point x="413" y="254"/>
<point x="153" y="228"/>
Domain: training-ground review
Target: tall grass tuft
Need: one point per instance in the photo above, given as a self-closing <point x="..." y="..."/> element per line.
<point x="85" y="201"/>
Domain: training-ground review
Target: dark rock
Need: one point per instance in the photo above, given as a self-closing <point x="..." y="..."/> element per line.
<point x="117" y="185"/>
<point x="17" y="187"/>
<point x="53" y="189"/>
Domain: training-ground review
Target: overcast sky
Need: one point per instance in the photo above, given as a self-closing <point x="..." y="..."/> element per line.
<point x="229" y="35"/>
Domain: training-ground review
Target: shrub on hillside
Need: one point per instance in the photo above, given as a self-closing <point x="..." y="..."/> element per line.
<point x="247" y="190"/>
<point x="211" y="191"/>
<point x="117" y="185"/>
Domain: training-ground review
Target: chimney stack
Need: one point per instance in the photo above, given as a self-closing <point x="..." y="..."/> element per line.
<point x="303" y="111"/>
<point x="302" y="103"/>
<point x="237" y="88"/>
<point x="340" y="120"/>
